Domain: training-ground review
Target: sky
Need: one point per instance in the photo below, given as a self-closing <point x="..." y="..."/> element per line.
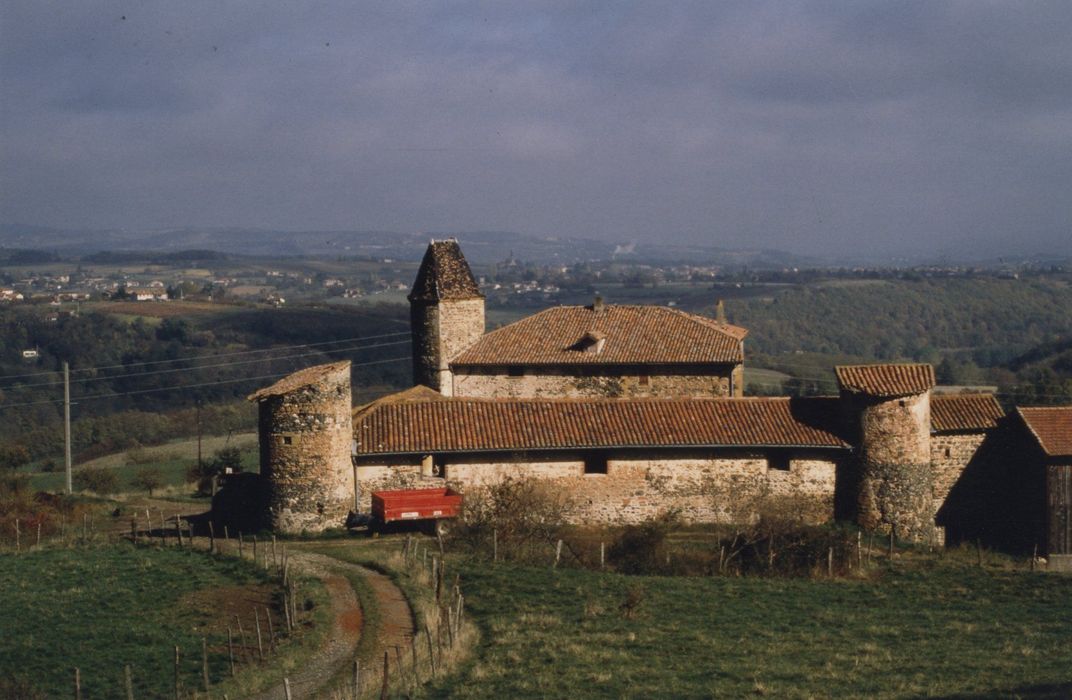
<point x="812" y="127"/>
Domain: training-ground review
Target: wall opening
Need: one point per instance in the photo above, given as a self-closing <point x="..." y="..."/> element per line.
<point x="595" y="463"/>
<point x="778" y="461"/>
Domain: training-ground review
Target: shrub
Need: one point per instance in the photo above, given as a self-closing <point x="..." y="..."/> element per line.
<point x="102" y="481"/>
<point x="527" y="517"/>
<point x="147" y="478"/>
<point x="641" y="549"/>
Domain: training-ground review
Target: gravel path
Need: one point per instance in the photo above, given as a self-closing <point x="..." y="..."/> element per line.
<point x="338" y="650"/>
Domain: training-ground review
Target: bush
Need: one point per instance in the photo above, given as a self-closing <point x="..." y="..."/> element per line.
<point x="641" y="549"/>
<point x="102" y="481"/>
<point x="147" y="478"/>
<point x="527" y="517"/>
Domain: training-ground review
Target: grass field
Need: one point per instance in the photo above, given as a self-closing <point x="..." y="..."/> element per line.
<point x="948" y="630"/>
<point x="172" y="460"/>
<point x="99" y="608"/>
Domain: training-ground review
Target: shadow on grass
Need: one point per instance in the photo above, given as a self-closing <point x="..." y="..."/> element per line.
<point x="1045" y="691"/>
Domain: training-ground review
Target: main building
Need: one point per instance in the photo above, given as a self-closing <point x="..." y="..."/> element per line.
<point x="636" y="410"/>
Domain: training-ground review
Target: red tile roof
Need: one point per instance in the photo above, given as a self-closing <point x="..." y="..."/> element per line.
<point x="964" y="412"/>
<point x="633" y="335"/>
<point x="1052" y="427"/>
<point x="492" y="425"/>
<point x="444" y="274"/>
<point x="886" y="381"/>
<point x="303" y="378"/>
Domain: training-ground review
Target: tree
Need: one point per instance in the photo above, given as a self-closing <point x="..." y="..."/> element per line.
<point x="147" y="478"/>
<point x="102" y="481"/>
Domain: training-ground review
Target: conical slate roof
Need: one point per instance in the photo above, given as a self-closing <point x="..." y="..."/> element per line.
<point x="444" y="275"/>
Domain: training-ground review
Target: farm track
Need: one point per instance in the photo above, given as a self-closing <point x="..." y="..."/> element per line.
<point x="396" y="628"/>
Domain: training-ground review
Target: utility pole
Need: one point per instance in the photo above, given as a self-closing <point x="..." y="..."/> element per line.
<point x="199" y="436"/>
<point x="67" y="423"/>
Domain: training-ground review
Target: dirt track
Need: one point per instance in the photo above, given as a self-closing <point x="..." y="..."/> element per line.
<point x="338" y="651"/>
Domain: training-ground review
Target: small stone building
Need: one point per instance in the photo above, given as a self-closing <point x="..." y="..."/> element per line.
<point x="305" y="430"/>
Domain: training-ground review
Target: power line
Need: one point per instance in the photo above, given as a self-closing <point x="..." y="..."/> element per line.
<point x="220" y="364"/>
<point x="182" y="387"/>
<point x="204" y="357"/>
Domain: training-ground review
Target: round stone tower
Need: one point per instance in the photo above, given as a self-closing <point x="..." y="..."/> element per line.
<point x="890" y="407"/>
<point x="446" y="314"/>
<point x="306" y="433"/>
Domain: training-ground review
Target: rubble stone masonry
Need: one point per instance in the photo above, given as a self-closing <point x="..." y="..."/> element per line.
<point x="594" y="381"/>
<point x="305" y="439"/>
<point x="702" y="486"/>
<point x="441" y="330"/>
<point x="896" y="489"/>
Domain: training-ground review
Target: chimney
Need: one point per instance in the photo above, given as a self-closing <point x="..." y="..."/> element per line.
<point x="720" y="312"/>
<point x="597" y="304"/>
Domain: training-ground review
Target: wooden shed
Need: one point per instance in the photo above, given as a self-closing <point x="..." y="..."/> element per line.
<point x="1051" y="430"/>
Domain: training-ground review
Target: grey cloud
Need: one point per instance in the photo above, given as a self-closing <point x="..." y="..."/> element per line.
<point x="808" y="126"/>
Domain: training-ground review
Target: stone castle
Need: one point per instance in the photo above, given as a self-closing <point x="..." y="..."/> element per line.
<point x="636" y="410"/>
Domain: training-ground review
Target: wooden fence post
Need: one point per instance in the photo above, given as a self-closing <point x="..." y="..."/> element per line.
<point x="204" y="663"/>
<point x="77" y="684"/>
<point x="271" y="631"/>
<point x="431" y="649"/>
<point x="602" y="555"/>
<point x="177" y="696"/>
<point x="830" y="562"/>
<point x="211" y="538"/>
<point x="18" y="546"/>
<point x="240" y="549"/>
<point x="495" y="545"/>
<point x="254" y="550"/>
<point x="384" y="688"/>
<point x="356" y="683"/>
<point x="275" y="562"/>
<point x="242" y="638"/>
<point x="134" y="531"/>
<point x="260" y="646"/>
<point x="286" y="687"/>
<point x="128" y="682"/>
<point x="230" y="649"/>
<point x="38" y="533"/>
<point x="859" y="550"/>
<point x="558" y="553"/>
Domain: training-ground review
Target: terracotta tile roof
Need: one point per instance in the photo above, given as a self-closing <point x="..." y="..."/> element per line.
<point x="493" y="425"/>
<point x="885" y="380"/>
<point x="444" y="274"/>
<point x="965" y="412"/>
<point x="1052" y="427"/>
<point x="632" y="334"/>
<point x="301" y="379"/>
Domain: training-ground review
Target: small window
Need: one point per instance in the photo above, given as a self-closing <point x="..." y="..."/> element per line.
<point x="515" y="371"/>
<point x="595" y="464"/>
<point x="288" y="440"/>
<point x="778" y="461"/>
<point x="948" y="452"/>
<point x="642" y="380"/>
<point x="901" y="403"/>
<point x="439" y="466"/>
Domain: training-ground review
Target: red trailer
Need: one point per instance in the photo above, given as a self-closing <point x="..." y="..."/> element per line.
<point x="433" y="506"/>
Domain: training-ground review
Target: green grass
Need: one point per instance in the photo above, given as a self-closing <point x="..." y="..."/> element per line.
<point x="173" y="460"/>
<point x="939" y="630"/>
<point x="100" y="608"/>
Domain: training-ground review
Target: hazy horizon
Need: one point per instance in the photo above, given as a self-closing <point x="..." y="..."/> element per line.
<point x="814" y="127"/>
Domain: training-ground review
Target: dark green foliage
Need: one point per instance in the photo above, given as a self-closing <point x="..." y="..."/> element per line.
<point x="101" y="481"/>
<point x="147" y="479"/>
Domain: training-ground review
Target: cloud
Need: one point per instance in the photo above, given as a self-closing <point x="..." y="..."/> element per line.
<point x="809" y="126"/>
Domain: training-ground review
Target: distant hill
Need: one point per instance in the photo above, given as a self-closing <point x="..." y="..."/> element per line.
<point x="480" y="246"/>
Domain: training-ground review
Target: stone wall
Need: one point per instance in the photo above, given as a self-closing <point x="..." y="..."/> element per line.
<point x="305" y="439"/>
<point x="704" y="486"/>
<point x="442" y="330"/>
<point x="895" y="477"/>
<point x="950" y="455"/>
<point x="594" y="381"/>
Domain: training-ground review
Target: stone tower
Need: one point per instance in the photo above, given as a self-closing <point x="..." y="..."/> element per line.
<point x="306" y="434"/>
<point x="889" y="406"/>
<point x="446" y="311"/>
